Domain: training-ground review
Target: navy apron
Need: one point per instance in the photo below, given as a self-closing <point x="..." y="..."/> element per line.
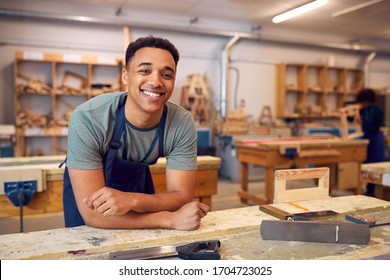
<point x="120" y="174"/>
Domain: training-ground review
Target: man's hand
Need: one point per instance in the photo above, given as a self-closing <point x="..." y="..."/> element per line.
<point x="188" y="217"/>
<point x="109" y="202"/>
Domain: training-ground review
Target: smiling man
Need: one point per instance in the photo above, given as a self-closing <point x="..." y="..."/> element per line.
<point x="114" y="137"/>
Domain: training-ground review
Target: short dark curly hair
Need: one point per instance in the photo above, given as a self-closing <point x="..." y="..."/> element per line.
<point x="366" y="95"/>
<point x="152" y="42"/>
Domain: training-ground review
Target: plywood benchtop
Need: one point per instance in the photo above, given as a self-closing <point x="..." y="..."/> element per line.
<point x="237" y="229"/>
<point x="379" y="174"/>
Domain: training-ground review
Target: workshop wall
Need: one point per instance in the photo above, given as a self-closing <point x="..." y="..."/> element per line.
<point x="252" y="62"/>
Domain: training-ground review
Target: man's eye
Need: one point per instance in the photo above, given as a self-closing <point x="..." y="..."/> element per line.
<point x="167" y="76"/>
<point x="144" y="71"/>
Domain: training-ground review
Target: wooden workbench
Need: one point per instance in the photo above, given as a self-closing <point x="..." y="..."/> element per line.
<point x="379" y="174"/>
<point x="269" y="153"/>
<point x="237" y="229"/>
<point x="49" y="199"/>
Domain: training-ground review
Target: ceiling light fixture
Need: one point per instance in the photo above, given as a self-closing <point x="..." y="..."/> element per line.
<point x="356" y="7"/>
<point x="298" y="11"/>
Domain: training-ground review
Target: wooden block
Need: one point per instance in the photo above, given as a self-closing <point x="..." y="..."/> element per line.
<point x="282" y="194"/>
<point x="22" y="173"/>
<point x="348" y="175"/>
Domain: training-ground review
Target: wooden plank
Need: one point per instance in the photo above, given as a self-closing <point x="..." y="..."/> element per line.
<point x="379" y="174"/>
<point x="382" y="167"/>
<point x="63" y="58"/>
<point x="15" y="173"/>
<point x="317" y="141"/>
<point x="275" y="212"/>
<point x="319" y="153"/>
<point x="238" y="230"/>
<point x="31" y="160"/>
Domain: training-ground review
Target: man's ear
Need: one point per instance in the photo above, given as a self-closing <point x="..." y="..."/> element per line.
<point x="124" y="76"/>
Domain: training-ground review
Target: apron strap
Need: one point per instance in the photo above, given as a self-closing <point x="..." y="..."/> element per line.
<point x="115" y="143"/>
<point x="161" y="128"/>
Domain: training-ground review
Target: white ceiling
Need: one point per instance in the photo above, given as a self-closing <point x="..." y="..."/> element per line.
<point x="369" y="23"/>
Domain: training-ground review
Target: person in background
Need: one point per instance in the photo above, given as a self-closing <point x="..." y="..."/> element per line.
<point x="114" y="137"/>
<point x="371" y="117"/>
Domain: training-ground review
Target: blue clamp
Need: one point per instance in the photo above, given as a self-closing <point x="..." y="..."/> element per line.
<point x="291" y="153"/>
<point x="20" y="192"/>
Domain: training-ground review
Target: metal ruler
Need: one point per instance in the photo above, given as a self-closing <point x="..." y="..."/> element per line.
<point x="204" y="250"/>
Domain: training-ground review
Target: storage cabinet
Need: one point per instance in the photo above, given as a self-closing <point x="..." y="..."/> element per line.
<point x="304" y="90"/>
<point x="48" y="87"/>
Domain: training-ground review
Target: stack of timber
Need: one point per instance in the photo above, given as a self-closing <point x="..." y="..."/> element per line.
<point x="27" y="119"/>
<point x="32" y="86"/>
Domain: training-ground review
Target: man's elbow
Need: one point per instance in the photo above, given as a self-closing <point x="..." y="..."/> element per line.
<point x="92" y="219"/>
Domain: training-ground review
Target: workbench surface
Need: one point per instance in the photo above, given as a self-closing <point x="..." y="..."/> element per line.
<point x="379" y="174"/>
<point x="237" y="229"/>
<point x="48" y="198"/>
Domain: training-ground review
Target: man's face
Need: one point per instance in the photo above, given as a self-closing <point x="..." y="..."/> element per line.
<point x="150" y="78"/>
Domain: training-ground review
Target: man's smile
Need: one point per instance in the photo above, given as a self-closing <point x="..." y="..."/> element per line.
<point x="152" y="94"/>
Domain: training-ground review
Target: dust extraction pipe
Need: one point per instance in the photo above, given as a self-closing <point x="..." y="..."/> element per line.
<point x="367" y="64"/>
<point x="225" y="97"/>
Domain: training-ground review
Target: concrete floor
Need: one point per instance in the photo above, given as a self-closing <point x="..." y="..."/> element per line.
<point x="226" y="198"/>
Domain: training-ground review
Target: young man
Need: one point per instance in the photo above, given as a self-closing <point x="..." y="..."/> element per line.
<point x="114" y="137"/>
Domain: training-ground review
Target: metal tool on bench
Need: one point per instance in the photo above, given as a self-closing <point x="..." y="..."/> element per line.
<point x="204" y="250"/>
<point x="315" y="231"/>
<point x="371" y="222"/>
<point x="301" y="227"/>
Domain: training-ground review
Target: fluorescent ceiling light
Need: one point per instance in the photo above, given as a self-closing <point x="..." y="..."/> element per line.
<point x="354" y="8"/>
<point x="300" y="10"/>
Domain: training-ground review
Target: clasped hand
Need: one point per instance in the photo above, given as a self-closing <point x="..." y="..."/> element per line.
<point x="111" y="202"/>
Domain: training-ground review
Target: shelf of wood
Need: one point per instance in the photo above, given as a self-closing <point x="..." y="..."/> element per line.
<point x="67" y="79"/>
<point x="314" y="90"/>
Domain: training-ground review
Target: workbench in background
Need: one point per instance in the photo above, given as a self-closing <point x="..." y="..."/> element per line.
<point x="237" y="229"/>
<point x="379" y="174"/>
<point x="274" y="153"/>
<point x="50" y="181"/>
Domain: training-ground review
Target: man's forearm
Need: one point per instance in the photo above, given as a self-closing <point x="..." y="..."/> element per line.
<point x="131" y="220"/>
<point x="160" y="202"/>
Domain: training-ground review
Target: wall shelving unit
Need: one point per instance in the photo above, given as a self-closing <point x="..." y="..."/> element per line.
<point x="48" y="86"/>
